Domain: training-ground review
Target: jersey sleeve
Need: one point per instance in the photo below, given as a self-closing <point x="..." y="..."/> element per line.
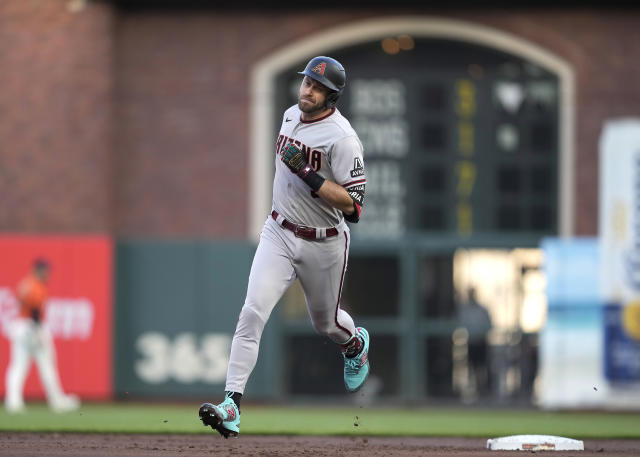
<point x="347" y="164"/>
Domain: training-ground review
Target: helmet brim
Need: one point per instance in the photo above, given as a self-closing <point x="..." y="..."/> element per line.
<point x="321" y="79"/>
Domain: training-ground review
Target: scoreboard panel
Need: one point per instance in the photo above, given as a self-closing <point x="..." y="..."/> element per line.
<point x="459" y="139"/>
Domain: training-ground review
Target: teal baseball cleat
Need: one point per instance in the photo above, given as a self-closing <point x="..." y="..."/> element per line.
<point x="225" y="417"/>
<point x="356" y="369"/>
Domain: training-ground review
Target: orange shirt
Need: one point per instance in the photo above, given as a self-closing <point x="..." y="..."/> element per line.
<point x="32" y="293"/>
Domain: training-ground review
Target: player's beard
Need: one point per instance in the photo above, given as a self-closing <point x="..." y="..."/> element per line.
<point x="311" y="110"/>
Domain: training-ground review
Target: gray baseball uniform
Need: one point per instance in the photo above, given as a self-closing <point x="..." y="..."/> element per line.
<point x="316" y="253"/>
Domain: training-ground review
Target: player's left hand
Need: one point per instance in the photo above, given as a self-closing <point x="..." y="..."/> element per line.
<point x="293" y="157"/>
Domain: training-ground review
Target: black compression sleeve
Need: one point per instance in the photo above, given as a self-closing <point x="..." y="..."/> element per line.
<point x="313" y="179"/>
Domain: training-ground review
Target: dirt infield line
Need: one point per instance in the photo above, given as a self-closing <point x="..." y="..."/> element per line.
<point x="110" y="445"/>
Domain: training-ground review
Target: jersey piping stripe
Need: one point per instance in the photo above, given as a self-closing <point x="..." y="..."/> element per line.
<point x="333" y="110"/>
<point x="353" y="183"/>
<point x="344" y="266"/>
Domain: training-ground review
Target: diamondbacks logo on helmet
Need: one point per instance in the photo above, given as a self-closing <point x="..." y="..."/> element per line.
<point x="319" y="68"/>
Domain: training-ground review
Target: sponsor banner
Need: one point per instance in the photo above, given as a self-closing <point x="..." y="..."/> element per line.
<point x="571" y="342"/>
<point x="78" y="312"/>
<point x="620" y="247"/>
<point x="623" y="351"/>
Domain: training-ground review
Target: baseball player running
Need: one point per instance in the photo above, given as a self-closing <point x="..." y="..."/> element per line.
<point x="319" y="183"/>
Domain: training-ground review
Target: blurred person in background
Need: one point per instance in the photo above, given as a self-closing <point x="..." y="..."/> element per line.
<point x="475" y="318"/>
<point x="30" y="338"/>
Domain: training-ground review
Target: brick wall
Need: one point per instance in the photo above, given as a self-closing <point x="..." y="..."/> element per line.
<point x="55" y="117"/>
<point x="174" y="161"/>
<point x="195" y="115"/>
<point x="183" y="118"/>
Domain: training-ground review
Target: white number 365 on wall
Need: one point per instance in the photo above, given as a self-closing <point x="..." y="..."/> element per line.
<point x="185" y="359"/>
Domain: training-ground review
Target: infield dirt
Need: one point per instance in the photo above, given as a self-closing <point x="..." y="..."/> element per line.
<point x="110" y="445"/>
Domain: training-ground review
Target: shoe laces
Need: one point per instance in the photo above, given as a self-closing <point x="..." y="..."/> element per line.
<point x="352" y="365"/>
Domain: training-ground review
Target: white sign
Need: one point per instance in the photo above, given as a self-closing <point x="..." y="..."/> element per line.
<point x="185" y="358"/>
<point x="620" y="211"/>
<point x="67" y="318"/>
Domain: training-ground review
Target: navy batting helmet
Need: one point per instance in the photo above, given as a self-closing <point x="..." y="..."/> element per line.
<point x="328" y="72"/>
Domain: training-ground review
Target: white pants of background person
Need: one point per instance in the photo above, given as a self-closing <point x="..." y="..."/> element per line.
<point x="33" y="341"/>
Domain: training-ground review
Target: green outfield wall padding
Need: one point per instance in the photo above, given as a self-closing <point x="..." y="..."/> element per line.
<point x="177" y="304"/>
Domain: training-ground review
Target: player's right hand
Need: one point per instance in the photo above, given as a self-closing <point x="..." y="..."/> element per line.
<point x="293" y="157"/>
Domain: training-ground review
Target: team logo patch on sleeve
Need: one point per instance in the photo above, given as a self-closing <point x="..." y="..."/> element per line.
<point x="358" y="168"/>
<point x="319" y="68"/>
